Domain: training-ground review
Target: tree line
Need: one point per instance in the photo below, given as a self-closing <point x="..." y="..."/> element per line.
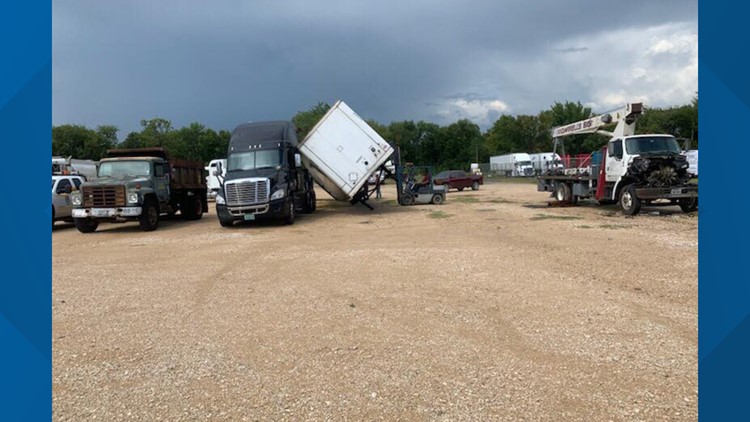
<point x="453" y="146"/>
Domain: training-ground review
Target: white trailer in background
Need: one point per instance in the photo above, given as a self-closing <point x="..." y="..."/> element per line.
<point x="342" y="151"/>
<point x="512" y="165"/>
<point x="543" y="161"/>
<point x="70" y="165"/>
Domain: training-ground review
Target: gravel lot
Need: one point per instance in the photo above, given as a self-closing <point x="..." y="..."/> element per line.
<point x="492" y="306"/>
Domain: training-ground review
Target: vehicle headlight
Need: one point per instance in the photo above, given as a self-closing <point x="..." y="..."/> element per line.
<point x="133" y="198"/>
<point x="76" y="199"/>
<point x="278" y="194"/>
<point x="220" y="199"/>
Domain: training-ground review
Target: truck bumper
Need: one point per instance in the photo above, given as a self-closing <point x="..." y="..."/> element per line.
<point x="273" y="209"/>
<point x="677" y="192"/>
<point x="107" y="213"/>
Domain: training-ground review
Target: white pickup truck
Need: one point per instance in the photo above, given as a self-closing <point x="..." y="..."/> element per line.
<point x="62" y="186"/>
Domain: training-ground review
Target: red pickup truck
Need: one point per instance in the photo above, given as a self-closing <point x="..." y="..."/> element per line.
<point x="458" y="179"/>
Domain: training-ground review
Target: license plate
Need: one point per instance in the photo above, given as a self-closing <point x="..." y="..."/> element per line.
<point x="249" y="217"/>
<point x="676" y="191"/>
<point x="96" y="212"/>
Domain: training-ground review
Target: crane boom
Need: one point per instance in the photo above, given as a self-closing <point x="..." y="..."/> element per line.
<point x="624" y="117"/>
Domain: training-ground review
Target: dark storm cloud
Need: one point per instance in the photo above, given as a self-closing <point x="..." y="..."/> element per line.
<point x="224" y="62"/>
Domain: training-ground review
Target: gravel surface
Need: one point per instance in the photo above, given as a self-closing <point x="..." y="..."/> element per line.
<point x="492" y="306"/>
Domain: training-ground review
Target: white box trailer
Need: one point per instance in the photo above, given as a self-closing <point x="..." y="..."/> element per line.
<point x="512" y="165"/>
<point x="342" y="151"/>
<point x="543" y="161"/>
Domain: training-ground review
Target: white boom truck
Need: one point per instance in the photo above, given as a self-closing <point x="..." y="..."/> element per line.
<point x="635" y="169"/>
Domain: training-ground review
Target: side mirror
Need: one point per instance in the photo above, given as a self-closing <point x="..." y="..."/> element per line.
<point x="219" y="170"/>
<point x="297" y="160"/>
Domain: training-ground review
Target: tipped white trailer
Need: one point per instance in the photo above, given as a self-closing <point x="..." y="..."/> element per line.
<point x="342" y="151"/>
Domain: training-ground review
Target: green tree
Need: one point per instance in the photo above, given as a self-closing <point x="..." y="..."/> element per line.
<point x="306" y="120"/>
<point x="80" y="142"/>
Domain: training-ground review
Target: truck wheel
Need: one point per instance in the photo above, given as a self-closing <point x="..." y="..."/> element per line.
<point x="193" y="209"/>
<point x="629" y="202"/>
<point x="461" y="189"/>
<point x="86" y="225"/>
<point x="562" y="193"/>
<point x="309" y="203"/>
<point x="289" y="219"/>
<point x="149" y="218"/>
<point x="226" y="223"/>
<point x="447" y="186"/>
<point x="689" y="204"/>
<point x="437" y="199"/>
<point x="475" y="185"/>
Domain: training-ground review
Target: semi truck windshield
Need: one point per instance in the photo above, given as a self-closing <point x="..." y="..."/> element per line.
<point x="252" y="160"/>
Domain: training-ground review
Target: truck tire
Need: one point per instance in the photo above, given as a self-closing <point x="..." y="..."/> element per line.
<point x="562" y="193"/>
<point x="437" y="199"/>
<point x="289" y="219"/>
<point x="475" y="185"/>
<point x="447" y="186"/>
<point x="193" y="209"/>
<point x="461" y="189"/>
<point x="86" y="225"/>
<point x="689" y="204"/>
<point x="629" y="202"/>
<point x="226" y="223"/>
<point x="149" y="218"/>
<point x="310" y="200"/>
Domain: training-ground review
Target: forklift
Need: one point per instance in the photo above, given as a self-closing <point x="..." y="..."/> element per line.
<point x="419" y="187"/>
<point x="414" y="184"/>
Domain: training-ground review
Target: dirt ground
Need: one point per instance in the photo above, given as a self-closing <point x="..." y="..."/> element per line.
<point x="492" y="306"/>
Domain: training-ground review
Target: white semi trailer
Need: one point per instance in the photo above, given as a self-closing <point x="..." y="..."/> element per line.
<point x="512" y="165"/>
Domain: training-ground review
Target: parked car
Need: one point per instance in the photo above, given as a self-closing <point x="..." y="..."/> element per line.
<point x="62" y="186"/>
<point x="459" y="179"/>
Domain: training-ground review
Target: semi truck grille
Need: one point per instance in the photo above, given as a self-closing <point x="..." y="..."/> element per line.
<point x="247" y="192"/>
<point x="103" y="196"/>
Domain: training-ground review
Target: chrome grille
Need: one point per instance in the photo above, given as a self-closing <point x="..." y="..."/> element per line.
<point x="103" y="196"/>
<point x="246" y="192"/>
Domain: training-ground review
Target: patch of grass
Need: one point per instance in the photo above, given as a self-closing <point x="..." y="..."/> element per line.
<point x="439" y="214"/>
<point x="613" y="226"/>
<point x="500" y="201"/>
<point x="503" y="179"/>
<point x="585" y="226"/>
<point x="485" y="210"/>
<point x="555" y="217"/>
<point x="464" y="199"/>
<point x="388" y="202"/>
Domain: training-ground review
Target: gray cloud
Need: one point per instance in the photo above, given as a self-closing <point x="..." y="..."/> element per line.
<point x="231" y="61"/>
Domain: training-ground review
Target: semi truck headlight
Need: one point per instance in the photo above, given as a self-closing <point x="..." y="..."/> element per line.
<point x="132" y="198"/>
<point x="278" y="194"/>
<point x="76" y="199"/>
<point x="220" y="199"/>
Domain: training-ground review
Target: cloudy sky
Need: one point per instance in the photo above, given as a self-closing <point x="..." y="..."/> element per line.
<point x="224" y="62"/>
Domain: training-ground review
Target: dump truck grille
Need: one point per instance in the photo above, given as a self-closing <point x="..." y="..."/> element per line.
<point x="247" y="192"/>
<point x="103" y="196"/>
